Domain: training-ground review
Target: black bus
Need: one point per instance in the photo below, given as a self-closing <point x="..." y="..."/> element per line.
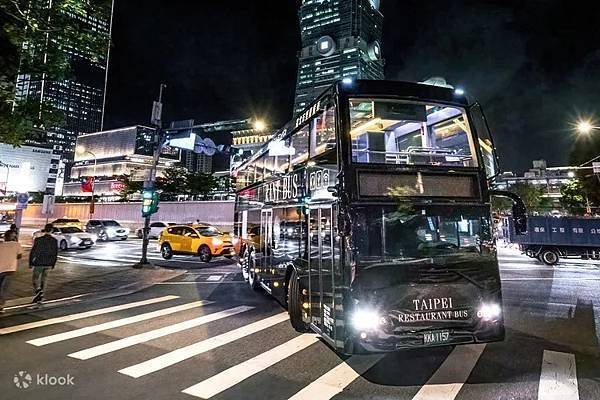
<point x="368" y="216"/>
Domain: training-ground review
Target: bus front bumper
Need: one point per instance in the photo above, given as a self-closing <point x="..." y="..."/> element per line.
<point x="379" y="341"/>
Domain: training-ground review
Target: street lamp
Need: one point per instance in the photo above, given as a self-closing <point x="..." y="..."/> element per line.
<point x="82" y="150"/>
<point x="260" y="125"/>
<point x="586" y="127"/>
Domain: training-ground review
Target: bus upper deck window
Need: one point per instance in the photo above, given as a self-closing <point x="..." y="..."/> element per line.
<point x="324" y="128"/>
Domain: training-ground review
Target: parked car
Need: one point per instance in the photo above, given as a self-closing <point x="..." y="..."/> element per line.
<point x="204" y="241"/>
<point x="71" y="237"/>
<point x="4" y="227"/>
<point x="67" y="222"/>
<point x="107" y="229"/>
<point x="155" y="229"/>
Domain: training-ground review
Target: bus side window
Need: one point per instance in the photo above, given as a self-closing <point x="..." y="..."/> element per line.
<point x="324" y="132"/>
<point x="300" y="144"/>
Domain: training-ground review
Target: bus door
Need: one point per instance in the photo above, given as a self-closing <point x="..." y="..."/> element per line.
<point x="266" y="240"/>
<point x="321" y="266"/>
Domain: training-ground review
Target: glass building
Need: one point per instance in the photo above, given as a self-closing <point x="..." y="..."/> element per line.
<point x="340" y="38"/>
<point x="82" y="96"/>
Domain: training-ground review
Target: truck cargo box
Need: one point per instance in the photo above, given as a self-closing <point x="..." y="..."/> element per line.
<point x="562" y="231"/>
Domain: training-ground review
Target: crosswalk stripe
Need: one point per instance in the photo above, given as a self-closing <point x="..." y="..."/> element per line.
<point x="155" y="334"/>
<point x="450" y="377"/>
<point x="184" y="353"/>
<point x="558" y="380"/>
<point x="236" y="374"/>
<point x="87" y="314"/>
<point x="334" y="381"/>
<point x="59" y="337"/>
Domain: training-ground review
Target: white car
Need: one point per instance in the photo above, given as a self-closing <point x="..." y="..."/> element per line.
<point x="71" y="237"/>
<point x="4" y="227"/>
<point x="155" y="229"/>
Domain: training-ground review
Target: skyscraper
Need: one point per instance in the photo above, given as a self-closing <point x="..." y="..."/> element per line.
<point x="340" y="38"/>
<point x="82" y="96"/>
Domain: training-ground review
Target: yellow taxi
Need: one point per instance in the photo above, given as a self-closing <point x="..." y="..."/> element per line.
<point x="205" y="241"/>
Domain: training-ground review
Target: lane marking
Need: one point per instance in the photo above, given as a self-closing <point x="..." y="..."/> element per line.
<point x="238" y="373"/>
<point x="59" y="337"/>
<point x="334" y="381"/>
<point x="450" y="377"/>
<point x="184" y="353"/>
<point x="87" y="314"/>
<point x="558" y="380"/>
<point x="213" y="278"/>
<point x="155" y="334"/>
<point x="550" y="279"/>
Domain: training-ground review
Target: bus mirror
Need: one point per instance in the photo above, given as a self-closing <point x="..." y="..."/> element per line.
<point x="519" y="218"/>
<point x="519" y="211"/>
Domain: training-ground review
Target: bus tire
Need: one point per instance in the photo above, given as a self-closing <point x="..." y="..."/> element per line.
<point x="549" y="257"/>
<point x="252" y="276"/>
<point x="295" y="304"/>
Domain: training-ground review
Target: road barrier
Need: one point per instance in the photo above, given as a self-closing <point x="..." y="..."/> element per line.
<point x="218" y="213"/>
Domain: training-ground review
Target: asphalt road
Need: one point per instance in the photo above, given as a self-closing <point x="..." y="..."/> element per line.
<point x="205" y="334"/>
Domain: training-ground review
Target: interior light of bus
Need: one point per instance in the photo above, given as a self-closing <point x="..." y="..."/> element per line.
<point x="489" y="312"/>
<point x="305" y="305"/>
<point x="363" y="319"/>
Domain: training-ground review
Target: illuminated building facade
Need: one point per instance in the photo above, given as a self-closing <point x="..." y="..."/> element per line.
<point x="340" y="38"/>
<point x="81" y="97"/>
<point x="124" y="151"/>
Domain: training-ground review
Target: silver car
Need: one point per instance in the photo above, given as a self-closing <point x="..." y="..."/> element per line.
<point x="70" y="237"/>
<point x="107" y="229"/>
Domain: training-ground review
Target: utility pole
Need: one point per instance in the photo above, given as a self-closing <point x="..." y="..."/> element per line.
<point x="159" y="142"/>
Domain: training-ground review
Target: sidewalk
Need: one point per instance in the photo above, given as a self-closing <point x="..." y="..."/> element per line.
<point x="79" y="282"/>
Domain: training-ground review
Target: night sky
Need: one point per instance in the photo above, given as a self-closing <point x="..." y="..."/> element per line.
<point x="534" y="65"/>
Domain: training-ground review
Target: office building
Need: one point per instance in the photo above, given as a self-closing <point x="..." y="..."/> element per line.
<point x="82" y="96"/>
<point x="340" y="39"/>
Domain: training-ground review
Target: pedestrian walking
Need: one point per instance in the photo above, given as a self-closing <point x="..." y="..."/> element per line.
<point x="10" y="252"/>
<point x="42" y="259"/>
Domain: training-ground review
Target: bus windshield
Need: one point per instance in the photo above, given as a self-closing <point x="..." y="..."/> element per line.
<point x="412" y="133"/>
<point x="390" y="234"/>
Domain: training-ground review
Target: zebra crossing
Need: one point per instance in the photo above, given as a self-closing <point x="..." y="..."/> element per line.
<point x="557" y="372"/>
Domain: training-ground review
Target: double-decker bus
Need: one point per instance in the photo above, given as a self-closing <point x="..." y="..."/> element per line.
<point x="369" y="217"/>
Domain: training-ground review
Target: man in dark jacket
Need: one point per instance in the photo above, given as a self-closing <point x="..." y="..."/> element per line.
<point x="42" y="258"/>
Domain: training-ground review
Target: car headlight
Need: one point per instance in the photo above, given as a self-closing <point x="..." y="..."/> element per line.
<point x="217" y="242"/>
<point x="489" y="312"/>
<point x="365" y="319"/>
<point x="94" y="238"/>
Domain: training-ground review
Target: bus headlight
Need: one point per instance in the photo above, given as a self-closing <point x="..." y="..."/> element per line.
<point x="364" y="320"/>
<point x="489" y="312"/>
<point x="217" y="242"/>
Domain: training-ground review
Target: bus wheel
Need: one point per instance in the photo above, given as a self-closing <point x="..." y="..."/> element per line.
<point x="295" y="304"/>
<point x="549" y="257"/>
<point x="252" y="276"/>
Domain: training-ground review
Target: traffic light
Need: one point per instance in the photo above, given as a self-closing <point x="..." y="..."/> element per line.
<point x="149" y="202"/>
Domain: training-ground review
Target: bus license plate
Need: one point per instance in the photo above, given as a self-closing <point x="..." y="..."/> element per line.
<point x="434" y="337"/>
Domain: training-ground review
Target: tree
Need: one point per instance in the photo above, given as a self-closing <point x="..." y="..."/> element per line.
<point x="585" y="149"/>
<point x="129" y="187"/>
<point x="573" y="198"/>
<point x="173" y="183"/>
<point x="37" y="38"/>
<point x="531" y="195"/>
<point x="200" y="184"/>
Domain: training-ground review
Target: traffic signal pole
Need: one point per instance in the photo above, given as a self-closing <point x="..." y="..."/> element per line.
<point x="159" y="142"/>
